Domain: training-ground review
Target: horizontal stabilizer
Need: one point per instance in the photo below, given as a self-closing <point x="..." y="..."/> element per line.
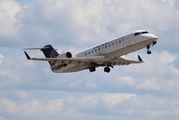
<point x="35" y="48"/>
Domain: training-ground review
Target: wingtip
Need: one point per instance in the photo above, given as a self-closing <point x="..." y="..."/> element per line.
<point x="140" y="59"/>
<point x="27" y="56"/>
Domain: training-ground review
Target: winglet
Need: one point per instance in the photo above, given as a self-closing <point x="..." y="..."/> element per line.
<point x="27" y="56"/>
<point x="140" y="59"/>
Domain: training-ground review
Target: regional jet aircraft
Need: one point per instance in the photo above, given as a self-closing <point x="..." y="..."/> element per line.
<point x="105" y="55"/>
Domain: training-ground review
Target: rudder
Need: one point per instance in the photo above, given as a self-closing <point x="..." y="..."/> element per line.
<point x="50" y="52"/>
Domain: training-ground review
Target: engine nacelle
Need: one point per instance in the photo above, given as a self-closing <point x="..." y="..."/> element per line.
<point x="65" y="55"/>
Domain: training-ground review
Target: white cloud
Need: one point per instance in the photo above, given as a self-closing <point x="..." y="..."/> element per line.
<point x="161" y="63"/>
<point x="18" y="94"/>
<point x="112" y="99"/>
<point x="169" y="2"/>
<point x="87" y="22"/>
<point x="149" y="85"/>
<point x="90" y="84"/>
<point x="156" y="113"/>
<point x="89" y="101"/>
<point x="8" y="106"/>
<point x="166" y="58"/>
<point x="32" y="107"/>
<point x="1" y="58"/>
<point x="55" y="106"/>
<point x="126" y="80"/>
<point x="8" y="21"/>
<point x="108" y="105"/>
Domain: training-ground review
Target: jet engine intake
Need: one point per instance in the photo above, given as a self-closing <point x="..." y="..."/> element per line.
<point x="65" y="55"/>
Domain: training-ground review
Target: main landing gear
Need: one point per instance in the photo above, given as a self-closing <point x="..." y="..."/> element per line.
<point x="92" y="69"/>
<point x="107" y="69"/>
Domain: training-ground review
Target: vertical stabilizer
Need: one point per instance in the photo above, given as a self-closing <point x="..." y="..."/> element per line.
<point x="50" y="52"/>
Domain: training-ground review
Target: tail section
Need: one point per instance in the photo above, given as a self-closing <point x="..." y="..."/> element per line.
<point x="49" y="52"/>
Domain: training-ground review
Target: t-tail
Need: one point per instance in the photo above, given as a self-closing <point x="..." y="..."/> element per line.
<point x="50" y="52"/>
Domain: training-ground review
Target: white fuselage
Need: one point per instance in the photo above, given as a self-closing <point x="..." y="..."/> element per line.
<point x="112" y="49"/>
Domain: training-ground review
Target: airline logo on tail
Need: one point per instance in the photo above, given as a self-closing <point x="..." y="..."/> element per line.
<point x="50" y="52"/>
<point x="54" y="54"/>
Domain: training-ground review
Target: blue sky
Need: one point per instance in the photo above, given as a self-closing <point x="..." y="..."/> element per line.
<point x="29" y="90"/>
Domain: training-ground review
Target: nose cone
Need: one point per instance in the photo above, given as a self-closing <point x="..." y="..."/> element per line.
<point x="151" y="36"/>
<point x="154" y="36"/>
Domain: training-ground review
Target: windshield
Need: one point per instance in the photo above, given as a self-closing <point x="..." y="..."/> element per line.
<point x="138" y="33"/>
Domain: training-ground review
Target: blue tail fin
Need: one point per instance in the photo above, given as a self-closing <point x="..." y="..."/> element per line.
<point x="50" y="52"/>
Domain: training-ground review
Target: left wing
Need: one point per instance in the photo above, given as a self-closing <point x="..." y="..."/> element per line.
<point x="77" y="59"/>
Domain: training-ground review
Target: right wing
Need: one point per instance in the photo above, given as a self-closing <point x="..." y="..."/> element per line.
<point x="125" y="61"/>
<point x="99" y="60"/>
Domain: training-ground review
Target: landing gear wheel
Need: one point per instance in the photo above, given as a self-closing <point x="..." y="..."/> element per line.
<point x="149" y="52"/>
<point x="148" y="49"/>
<point x="107" y="69"/>
<point x="92" y="69"/>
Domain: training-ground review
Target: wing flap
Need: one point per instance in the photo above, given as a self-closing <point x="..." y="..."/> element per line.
<point x="122" y="60"/>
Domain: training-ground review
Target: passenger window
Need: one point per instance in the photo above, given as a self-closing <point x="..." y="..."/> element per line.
<point x="85" y="53"/>
<point x="105" y="46"/>
<point x="99" y="49"/>
<point x="89" y="53"/>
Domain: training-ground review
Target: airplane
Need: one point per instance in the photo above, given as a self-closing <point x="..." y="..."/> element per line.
<point x="107" y="54"/>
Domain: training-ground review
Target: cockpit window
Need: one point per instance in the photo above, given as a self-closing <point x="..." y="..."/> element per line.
<point x="138" y="33"/>
<point x="145" y="32"/>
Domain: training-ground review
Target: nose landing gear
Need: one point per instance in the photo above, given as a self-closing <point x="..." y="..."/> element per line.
<point x="148" y="49"/>
<point x="154" y="42"/>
